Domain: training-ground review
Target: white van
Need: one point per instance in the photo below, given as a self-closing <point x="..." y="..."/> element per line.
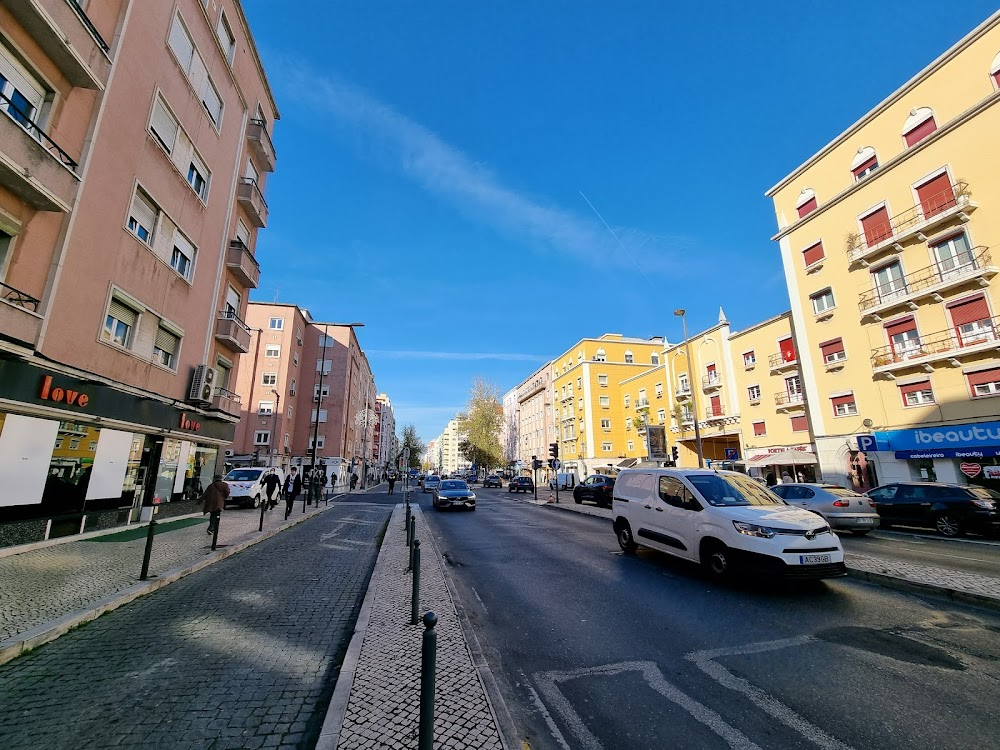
<point x="724" y="520"/>
<point x="566" y="481"/>
<point x="246" y="485"/>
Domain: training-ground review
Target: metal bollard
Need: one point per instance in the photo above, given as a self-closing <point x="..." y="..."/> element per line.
<point x="428" y="659"/>
<point x="150" y="533"/>
<point x="407" y="524"/>
<point x="410" y="538"/>
<point x="263" y="507"/>
<point x="415" y="593"/>
<point x="215" y="534"/>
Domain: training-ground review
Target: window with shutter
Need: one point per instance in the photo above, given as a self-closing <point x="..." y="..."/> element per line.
<point x="182" y="256"/>
<point x="142" y="217"/>
<point x="243" y="234"/>
<point x="198" y="176"/>
<point x="119" y="324"/>
<point x="213" y="102"/>
<point x="807" y="208"/>
<point x="163" y="125"/>
<point x="180" y="42"/>
<point x="916" y="394"/>
<point x="876" y="226"/>
<point x="813" y="254"/>
<point x="165" y="347"/>
<point x="226" y="38"/>
<point x="800" y="423"/>
<point x="984" y="382"/>
<point x="25" y="92"/>
<point x="759" y="428"/>
<point x="936" y="195"/>
<point x="921" y="131"/>
<point x="844" y="406"/>
<point x="865" y="168"/>
<point x="833" y="351"/>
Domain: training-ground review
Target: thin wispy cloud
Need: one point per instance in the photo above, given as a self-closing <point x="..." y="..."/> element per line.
<point x="447" y="172"/>
<point x="464" y="356"/>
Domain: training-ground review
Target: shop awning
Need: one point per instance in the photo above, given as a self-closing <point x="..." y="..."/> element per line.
<point x="783" y="458"/>
<point x="628" y="463"/>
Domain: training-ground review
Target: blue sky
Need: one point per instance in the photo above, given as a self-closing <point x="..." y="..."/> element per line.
<point x="439" y="164"/>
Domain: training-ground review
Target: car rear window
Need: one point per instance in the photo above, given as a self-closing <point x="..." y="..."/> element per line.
<point x="732" y="489"/>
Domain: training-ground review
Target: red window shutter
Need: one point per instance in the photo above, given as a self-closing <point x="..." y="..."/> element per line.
<point x="717" y="405"/>
<point x="759" y="428"/>
<point x="969" y="310"/>
<point x="800" y="424"/>
<point x="920" y="132"/>
<point x="900" y="326"/>
<point x="984" y="376"/>
<point x="808" y="207"/>
<point x="710" y="369"/>
<point x="936" y="195"/>
<point x="866" y="165"/>
<point x="996" y="77"/>
<point x="831" y="347"/>
<point x="923" y="385"/>
<point x="841" y="400"/>
<point x="876" y="226"/>
<point x="813" y="254"/>
<point x="787" y="349"/>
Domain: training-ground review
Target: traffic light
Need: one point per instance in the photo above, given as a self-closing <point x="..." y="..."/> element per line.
<point x="554" y="450"/>
<point x="674" y="454"/>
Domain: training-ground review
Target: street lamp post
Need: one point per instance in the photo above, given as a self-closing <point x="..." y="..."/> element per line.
<point x="694" y="403"/>
<point x="274" y="420"/>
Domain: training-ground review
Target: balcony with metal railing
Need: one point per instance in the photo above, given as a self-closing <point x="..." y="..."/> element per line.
<point x="68" y="38"/>
<point x="785" y="401"/>
<point x="715" y="412"/>
<point x="783" y="361"/>
<point x="241" y="262"/>
<point x="953" y="203"/>
<point x="972" y="266"/>
<point x="19" y="316"/>
<point x="711" y="382"/>
<point x="252" y="200"/>
<point x="683" y="390"/>
<point x="227" y="402"/>
<point x="232" y="332"/>
<point x="260" y="144"/>
<point x="950" y="346"/>
<point x="32" y="165"/>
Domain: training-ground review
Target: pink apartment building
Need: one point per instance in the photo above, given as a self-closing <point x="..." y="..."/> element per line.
<point x="286" y="406"/>
<point x="134" y="144"/>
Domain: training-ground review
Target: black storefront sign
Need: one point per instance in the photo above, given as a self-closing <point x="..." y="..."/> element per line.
<point x="30" y="384"/>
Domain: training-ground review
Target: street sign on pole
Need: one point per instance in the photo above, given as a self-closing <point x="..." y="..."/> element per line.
<point x="556" y="464"/>
<point x="732" y="454"/>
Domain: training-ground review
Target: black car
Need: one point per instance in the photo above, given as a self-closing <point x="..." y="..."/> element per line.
<point x="492" y="481"/>
<point x="521" y="484"/>
<point x="952" y="509"/>
<point x="454" y="493"/>
<point x="597" y="488"/>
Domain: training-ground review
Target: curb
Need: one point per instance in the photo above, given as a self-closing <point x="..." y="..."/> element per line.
<point x="329" y="733"/>
<point x="49" y="631"/>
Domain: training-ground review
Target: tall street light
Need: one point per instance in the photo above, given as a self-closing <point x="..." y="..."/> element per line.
<point x="694" y="403"/>
<point x="319" y="389"/>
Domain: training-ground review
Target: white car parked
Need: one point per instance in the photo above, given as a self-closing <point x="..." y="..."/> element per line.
<point x="246" y="486"/>
<point x="724" y="520"/>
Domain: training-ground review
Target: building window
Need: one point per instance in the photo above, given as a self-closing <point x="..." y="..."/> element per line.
<point x="658" y="387"/>
<point x="605" y="402"/>
<point x="24" y="92"/>
<point x="631" y="445"/>
<point x="605" y="424"/>
<point x="291" y="388"/>
<point x="320" y="442"/>
<point x="822" y="301"/>
<point x="276" y="324"/>
<point x="919" y="125"/>
<point x="642" y="400"/>
<point x="600" y="356"/>
<point x="326" y="365"/>
<point x="844" y="406"/>
<point x="628" y="423"/>
<point x="272" y="350"/>
<point x="295" y="358"/>
<point x="163" y="125"/>
<point x="800" y="423"/>
<point x="197" y="177"/>
<point x="606" y="447"/>
<point x="917" y="394"/>
<point x="194" y="67"/>
<point x="602" y="380"/>
<point x="629" y="357"/>
<point x="806" y="203"/>
<point x="142" y="216"/>
<point x="628" y="400"/>
<point x="261" y="437"/>
<point x="654" y="359"/>
<point x="119" y="324"/>
<point x="182" y="256"/>
<point x="682" y="383"/>
<point x="984" y="382"/>
<point x="971" y="320"/>
<point x="759" y="428"/>
<point x="749" y="359"/>
<point x="269" y="378"/>
<point x="754" y="393"/>
<point x="813" y="254"/>
<point x="225" y="37"/>
<point x="74" y="443"/>
<point x="322" y="416"/>
<point x="661" y="415"/>
<point x="265" y="407"/>
<point x="865" y="163"/>
<point x="316" y="392"/>
<point x="833" y="351"/>
<point x="936" y="195"/>
<point x="165" y="348"/>
<point x="904" y="341"/>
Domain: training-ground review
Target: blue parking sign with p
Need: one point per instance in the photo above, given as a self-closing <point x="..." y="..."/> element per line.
<point x="732" y="454"/>
<point x="866" y="442"/>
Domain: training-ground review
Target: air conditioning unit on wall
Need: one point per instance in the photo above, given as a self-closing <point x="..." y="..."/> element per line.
<point x="202" y="384"/>
<point x="229" y="452"/>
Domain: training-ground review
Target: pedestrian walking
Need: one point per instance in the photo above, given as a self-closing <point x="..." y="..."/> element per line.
<point x="392" y="481"/>
<point x="324" y="480"/>
<point x="213" y="501"/>
<point x="293" y="486"/>
<point x="354" y="481"/>
<point x="272" y="488"/>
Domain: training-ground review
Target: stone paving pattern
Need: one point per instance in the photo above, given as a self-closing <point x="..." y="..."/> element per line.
<point x="47" y="583"/>
<point x="242" y="654"/>
<point x="383" y="709"/>
<point x="931" y="575"/>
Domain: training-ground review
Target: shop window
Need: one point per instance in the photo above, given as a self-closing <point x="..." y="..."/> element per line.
<point x="844" y="406"/>
<point x="759" y="429"/>
<point x="984" y="382"/>
<point x="917" y="394"/>
<point x="813" y="254"/>
<point x="833" y="351"/>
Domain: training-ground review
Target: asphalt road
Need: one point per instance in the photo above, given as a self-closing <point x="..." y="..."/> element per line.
<point x="967" y="555"/>
<point x="595" y="649"/>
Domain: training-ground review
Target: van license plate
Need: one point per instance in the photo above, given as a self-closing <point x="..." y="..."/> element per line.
<point x="813" y="559"/>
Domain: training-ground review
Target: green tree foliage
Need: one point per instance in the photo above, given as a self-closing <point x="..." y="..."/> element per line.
<point x="481" y="423"/>
<point x="414" y="443"/>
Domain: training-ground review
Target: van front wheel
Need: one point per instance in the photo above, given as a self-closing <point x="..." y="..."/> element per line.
<point x="625" y="540"/>
<point x="256" y="501"/>
<point x="715" y="558"/>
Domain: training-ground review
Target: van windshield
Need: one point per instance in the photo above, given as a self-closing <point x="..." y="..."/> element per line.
<point x="243" y="475"/>
<point x="732" y="489"/>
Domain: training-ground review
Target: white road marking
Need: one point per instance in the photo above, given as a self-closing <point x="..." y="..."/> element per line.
<point x="479" y="599"/>
<point x="954" y="557"/>
<point x="547" y="683"/>
<point x="770" y="705"/>
<point x="556" y="734"/>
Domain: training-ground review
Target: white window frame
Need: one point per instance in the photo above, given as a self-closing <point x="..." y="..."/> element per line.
<point x="197" y="169"/>
<point x="605" y="424"/>
<point x="753" y="392"/>
<point x="163" y="357"/>
<point x="280" y="324"/>
<point x="605" y="402"/>
<point x="749" y="358"/>
<point x="183" y="248"/>
<point x="658" y="389"/>
<point x="823" y="294"/>
<point x="921" y="399"/>
<point x="631" y="445"/>
<point x="265" y="408"/>
<point x="661" y="415"/>
<point x="607" y="447"/>
<point x="228" y="43"/>
<point x="272" y="351"/>
<point x="262" y="437"/>
<point x="133" y="221"/>
<point x="846" y="410"/>
<point x="833" y="357"/>
<point x="269" y="378"/>
<point x="109" y="335"/>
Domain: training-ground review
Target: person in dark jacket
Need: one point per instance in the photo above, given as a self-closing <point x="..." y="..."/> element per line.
<point x="272" y="488"/>
<point x="392" y="481"/>
<point x="293" y="486"/>
<point x="213" y="502"/>
<point x="354" y="481"/>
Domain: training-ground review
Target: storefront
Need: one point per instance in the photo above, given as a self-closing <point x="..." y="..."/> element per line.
<point x="785" y="463"/>
<point x="79" y="454"/>
<point x="964" y="453"/>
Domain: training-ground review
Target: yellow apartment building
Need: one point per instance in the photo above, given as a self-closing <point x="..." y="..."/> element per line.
<point x="885" y="237"/>
<point x="588" y="396"/>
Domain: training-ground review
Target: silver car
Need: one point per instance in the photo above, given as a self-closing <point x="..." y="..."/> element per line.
<point x="843" y="509"/>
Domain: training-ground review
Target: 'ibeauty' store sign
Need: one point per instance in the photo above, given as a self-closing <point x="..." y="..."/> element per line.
<point x="939" y="440"/>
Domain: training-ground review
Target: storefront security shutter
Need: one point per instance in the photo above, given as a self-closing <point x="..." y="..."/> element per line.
<point x="969" y="311"/>
<point x="166" y="341"/>
<point x="123" y="313"/>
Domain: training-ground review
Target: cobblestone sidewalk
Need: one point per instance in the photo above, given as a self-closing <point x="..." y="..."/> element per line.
<point x="382" y="710"/>
<point x="44" y="584"/>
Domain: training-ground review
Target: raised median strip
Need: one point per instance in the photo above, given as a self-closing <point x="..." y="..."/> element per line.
<point x="376" y="700"/>
<point x="41" y="601"/>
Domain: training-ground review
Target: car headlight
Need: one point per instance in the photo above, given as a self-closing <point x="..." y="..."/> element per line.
<point x="472" y="496"/>
<point x="752" y="529"/>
